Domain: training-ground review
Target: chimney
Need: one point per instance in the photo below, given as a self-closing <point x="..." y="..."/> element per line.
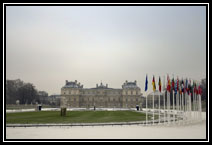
<point x="66" y="82"/>
<point x="126" y="81"/>
<point x="75" y="81"/>
<point x="106" y="85"/>
<point x="96" y="85"/>
<point x="135" y="81"/>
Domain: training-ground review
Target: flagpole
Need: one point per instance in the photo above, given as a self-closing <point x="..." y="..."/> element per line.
<point x="196" y="106"/>
<point x="164" y="103"/>
<point x="189" y="97"/>
<point x="183" y="107"/>
<point x="153" y="99"/>
<point x="188" y="107"/>
<point x="168" y="94"/>
<point x="179" y="112"/>
<point x="153" y="108"/>
<point x="173" y="109"/>
<point x="159" y="106"/>
<point x="159" y="83"/>
<point x="146" y="112"/>
<point x="146" y="87"/>
<point x="180" y="103"/>
<point x="177" y="103"/>
<point x="200" y="108"/>
<point x="193" y="113"/>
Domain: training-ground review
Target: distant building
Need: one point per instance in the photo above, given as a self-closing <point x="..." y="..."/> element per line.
<point x="74" y="95"/>
<point x="54" y="100"/>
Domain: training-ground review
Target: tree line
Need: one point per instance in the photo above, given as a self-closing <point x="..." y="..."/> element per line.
<point x="25" y="93"/>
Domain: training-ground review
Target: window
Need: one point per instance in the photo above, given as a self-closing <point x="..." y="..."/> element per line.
<point x="128" y="92"/>
<point x="124" y="93"/>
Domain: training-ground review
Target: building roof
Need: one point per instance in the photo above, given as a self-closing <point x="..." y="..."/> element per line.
<point x="101" y="86"/>
<point x="72" y="84"/>
<point x="130" y="84"/>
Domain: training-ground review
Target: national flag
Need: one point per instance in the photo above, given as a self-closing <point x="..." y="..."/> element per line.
<point x="195" y="87"/>
<point x="186" y="85"/>
<point x="173" y="83"/>
<point x="159" y="84"/>
<point x="177" y="84"/>
<point x="168" y="84"/>
<point x="153" y="84"/>
<point x="189" y="86"/>
<point x="180" y="90"/>
<point x="146" y="84"/>
<point x="176" y="88"/>
<point x="182" y="87"/>
<point x="199" y="90"/>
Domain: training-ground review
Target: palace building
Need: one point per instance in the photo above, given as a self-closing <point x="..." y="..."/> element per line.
<point x="73" y="95"/>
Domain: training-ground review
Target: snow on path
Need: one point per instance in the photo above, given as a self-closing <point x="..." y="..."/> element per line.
<point x="195" y="131"/>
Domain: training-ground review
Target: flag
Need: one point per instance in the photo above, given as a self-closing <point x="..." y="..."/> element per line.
<point x="195" y="87"/>
<point x="176" y="88"/>
<point x="173" y="83"/>
<point x="153" y="84"/>
<point x="182" y="86"/>
<point x="180" y="90"/>
<point x="168" y="84"/>
<point x="189" y="87"/>
<point x="146" y="84"/>
<point x="177" y="84"/>
<point x="159" y="83"/>
<point x="199" y="90"/>
<point x="186" y="85"/>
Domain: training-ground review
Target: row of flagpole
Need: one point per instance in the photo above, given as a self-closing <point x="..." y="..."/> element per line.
<point x="186" y="109"/>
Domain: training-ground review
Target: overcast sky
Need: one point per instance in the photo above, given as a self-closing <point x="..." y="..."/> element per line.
<point x="48" y="45"/>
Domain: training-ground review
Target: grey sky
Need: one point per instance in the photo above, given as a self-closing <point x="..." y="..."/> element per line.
<point x="48" y="45"/>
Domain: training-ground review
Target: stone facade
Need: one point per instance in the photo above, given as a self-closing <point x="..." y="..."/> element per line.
<point x="73" y="95"/>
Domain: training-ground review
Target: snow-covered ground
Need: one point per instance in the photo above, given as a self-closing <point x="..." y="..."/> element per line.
<point x="195" y="131"/>
<point x="68" y="109"/>
<point x="189" y="130"/>
<point x="173" y="131"/>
